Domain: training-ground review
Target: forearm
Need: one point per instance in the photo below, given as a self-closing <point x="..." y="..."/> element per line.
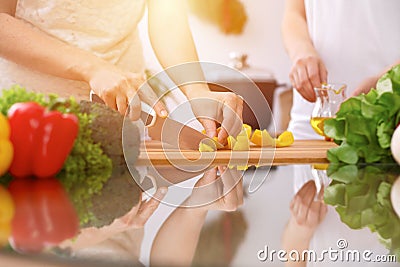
<point x="295" y="33"/>
<point x="172" y="41"/>
<point x="32" y="48"/>
<point x="293" y="239"/>
<point x="389" y="67"/>
<point x="176" y="241"/>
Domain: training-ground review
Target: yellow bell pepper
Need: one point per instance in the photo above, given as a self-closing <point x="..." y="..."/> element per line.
<point x="6" y="215"/>
<point x="321" y="167"/>
<point x="6" y="148"/>
<point x="262" y="138"/>
<point x="203" y="147"/>
<point x="285" y="139"/>
<point x="247" y="129"/>
<point x="231" y="142"/>
<point x="242" y="143"/>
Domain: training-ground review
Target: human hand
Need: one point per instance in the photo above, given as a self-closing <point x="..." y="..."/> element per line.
<point x="212" y="107"/>
<point x="366" y="85"/>
<point x="213" y="192"/>
<point x="308" y="72"/>
<point x="307" y="213"/>
<point x="134" y="219"/>
<point x="118" y="89"/>
<point x="138" y="216"/>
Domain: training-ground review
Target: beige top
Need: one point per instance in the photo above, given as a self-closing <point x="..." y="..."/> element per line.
<point x="108" y="28"/>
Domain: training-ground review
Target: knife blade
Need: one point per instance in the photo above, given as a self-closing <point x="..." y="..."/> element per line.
<point x="167" y="130"/>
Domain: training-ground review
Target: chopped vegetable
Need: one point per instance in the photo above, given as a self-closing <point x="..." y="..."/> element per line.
<point x="42" y="139"/>
<point x="6" y="148"/>
<point x="203" y="147"/>
<point x="231" y="142"/>
<point x="247" y="129"/>
<point x="284" y="139"/>
<point x="262" y="138"/>
<point x="242" y="143"/>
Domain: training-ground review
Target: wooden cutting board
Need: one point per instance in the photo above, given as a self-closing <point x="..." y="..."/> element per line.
<point x="301" y="152"/>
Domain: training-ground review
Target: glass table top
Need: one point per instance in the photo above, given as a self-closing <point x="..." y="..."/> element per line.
<point x="340" y="215"/>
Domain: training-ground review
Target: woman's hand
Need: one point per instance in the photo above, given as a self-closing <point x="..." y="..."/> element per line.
<point x="366" y="85"/>
<point x="222" y="107"/>
<point x="134" y="219"/>
<point x="118" y="89"/>
<point x="306" y="212"/>
<point x="213" y="192"/>
<point x="307" y="73"/>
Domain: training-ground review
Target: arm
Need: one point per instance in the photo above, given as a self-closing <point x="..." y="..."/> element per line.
<point x="370" y="82"/>
<point x="306" y="215"/>
<point x="173" y="44"/>
<point x="176" y="241"/>
<point x="133" y="220"/>
<point x="33" y="48"/>
<point x="308" y="70"/>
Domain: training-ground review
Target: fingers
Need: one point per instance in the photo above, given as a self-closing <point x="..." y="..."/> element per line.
<point x="121" y="101"/>
<point x="210" y="126"/>
<point x="134" y="106"/>
<point x="231" y="117"/>
<point x="303" y="200"/>
<point x="147" y="209"/>
<point x="304" y="84"/>
<point x="323" y="73"/>
<point x="110" y="101"/>
<point x="230" y="200"/>
<point x="305" y="210"/>
<point x="160" y="109"/>
<point x="306" y="74"/>
<point x="148" y="96"/>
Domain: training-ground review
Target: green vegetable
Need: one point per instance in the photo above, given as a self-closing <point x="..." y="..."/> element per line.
<point x="87" y="168"/>
<point x="364" y="125"/>
<point x="361" y="196"/>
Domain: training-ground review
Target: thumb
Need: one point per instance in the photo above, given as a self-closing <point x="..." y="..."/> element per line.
<point x="160" y="109"/>
<point x="209" y="126"/>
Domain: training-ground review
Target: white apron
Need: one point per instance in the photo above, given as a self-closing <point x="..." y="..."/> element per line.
<point x="355" y="39"/>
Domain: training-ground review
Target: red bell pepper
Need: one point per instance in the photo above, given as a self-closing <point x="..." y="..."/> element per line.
<point x="42" y="139"/>
<point x="44" y="215"/>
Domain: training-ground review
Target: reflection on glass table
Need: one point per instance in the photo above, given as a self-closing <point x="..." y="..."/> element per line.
<point x="358" y="227"/>
<point x="205" y="228"/>
<point x="45" y="222"/>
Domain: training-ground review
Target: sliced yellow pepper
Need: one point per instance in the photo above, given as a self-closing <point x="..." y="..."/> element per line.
<point x="231" y="142"/>
<point x="321" y="167"/>
<point x="247" y="129"/>
<point x="242" y="143"/>
<point x="6" y="148"/>
<point x="203" y="147"/>
<point x="239" y="167"/>
<point x="262" y="138"/>
<point x="285" y="139"/>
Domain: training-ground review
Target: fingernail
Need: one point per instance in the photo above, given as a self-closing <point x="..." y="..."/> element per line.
<point x="163" y="190"/>
<point x="164" y="113"/>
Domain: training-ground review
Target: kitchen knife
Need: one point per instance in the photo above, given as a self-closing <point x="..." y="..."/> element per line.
<point x="167" y="130"/>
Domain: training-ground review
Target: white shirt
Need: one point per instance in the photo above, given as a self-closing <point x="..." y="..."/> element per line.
<point x="107" y="28"/>
<point x="355" y="39"/>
